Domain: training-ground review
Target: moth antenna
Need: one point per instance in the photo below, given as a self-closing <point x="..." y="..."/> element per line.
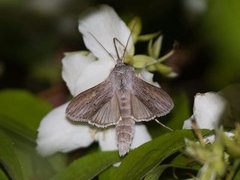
<point x="125" y="49"/>
<point x="115" y="46"/>
<point x="102" y="46"/>
<point x="163" y="125"/>
<point x="131" y="30"/>
<point x="117" y="40"/>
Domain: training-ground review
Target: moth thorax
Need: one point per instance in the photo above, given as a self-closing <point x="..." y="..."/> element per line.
<point x="125" y="133"/>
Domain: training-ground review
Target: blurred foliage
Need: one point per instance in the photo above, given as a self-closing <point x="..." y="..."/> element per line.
<point x="8" y="158"/>
<point x="34" y="35"/>
<point x="204" y="36"/>
<point x="20" y="112"/>
<point x="221" y="29"/>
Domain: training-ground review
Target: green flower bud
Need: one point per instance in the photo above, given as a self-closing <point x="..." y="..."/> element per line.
<point x="141" y="61"/>
<point x="147" y="37"/>
<point x="155" y="48"/>
<point x="135" y="26"/>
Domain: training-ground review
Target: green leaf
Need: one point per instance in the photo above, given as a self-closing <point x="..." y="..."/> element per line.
<point x="33" y="165"/>
<point x="89" y="166"/>
<point x="3" y="176"/>
<point x="180" y="162"/>
<point x="184" y="162"/>
<point x="8" y="158"/>
<point x="141" y="160"/>
<point x="107" y="174"/>
<point x="58" y="161"/>
<point x="156" y="172"/>
<point x="21" y="112"/>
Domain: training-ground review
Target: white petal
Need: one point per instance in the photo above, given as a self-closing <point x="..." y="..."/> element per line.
<point x="83" y="72"/>
<point x="93" y="74"/>
<point x="147" y="76"/>
<point x="57" y="134"/>
<point x="208" y="110"/>
<point x="188" y="123"/>
<point x="73" y="65"/>
<point x="104" y="24"/>
<point x="107" y="138"/>
<point x="141" y="136"/>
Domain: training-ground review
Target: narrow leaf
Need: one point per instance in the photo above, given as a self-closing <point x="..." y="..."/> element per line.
<point x="88" y="167"/>
<point x="141" y="160"/>
<point x="8" y="158"/>
<point x="21" y="112"/>
<point x="156" y="172"/>
<point x="184" y="162"/>
<point x="33" y="165"/>
<point x="3" y="176"/>
<point x="107" y="174"/>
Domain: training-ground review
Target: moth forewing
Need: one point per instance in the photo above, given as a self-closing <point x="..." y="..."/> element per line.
<point x="97" y="106"/>
<point x="149" y="101"/>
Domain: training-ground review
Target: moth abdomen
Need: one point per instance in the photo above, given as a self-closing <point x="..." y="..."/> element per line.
<point x="125" y="133"/>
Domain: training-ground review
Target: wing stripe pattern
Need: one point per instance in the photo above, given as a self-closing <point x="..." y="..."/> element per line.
<point x="149" y="101"/>
<point x="97" y="106"/>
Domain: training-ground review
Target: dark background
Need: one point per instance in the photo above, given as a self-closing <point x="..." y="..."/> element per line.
<point x="34" y="34"/>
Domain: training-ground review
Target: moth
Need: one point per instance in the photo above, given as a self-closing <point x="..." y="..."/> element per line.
<point x="121" y="100"/>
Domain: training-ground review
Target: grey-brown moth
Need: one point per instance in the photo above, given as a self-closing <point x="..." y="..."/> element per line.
<point x="121" y="100"/>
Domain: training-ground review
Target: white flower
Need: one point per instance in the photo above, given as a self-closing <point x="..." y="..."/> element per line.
<point x="80" y="72"/>
<point x="209" y="110"/>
